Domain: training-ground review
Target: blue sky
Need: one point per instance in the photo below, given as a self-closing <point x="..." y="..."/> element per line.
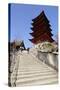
<point x="21" y="19"/>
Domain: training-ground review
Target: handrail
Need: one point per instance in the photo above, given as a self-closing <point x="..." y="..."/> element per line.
<point x="14" y="62"/>
<point x="16" y="68"/>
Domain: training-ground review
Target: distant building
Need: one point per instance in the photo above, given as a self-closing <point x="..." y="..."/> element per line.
<point x="41" y="30"/>
<point x="16" y="45"/>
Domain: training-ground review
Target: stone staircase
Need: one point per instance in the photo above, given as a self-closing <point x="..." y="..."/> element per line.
<point x="28" y="70"/>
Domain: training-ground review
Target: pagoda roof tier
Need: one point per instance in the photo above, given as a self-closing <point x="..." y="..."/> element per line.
<point x="40" y="23"/>
<point x="41" y="28"/>
<point x="40" y="17"/>
<point x="34" y="29"/>
<point x="32" y="40"/>
<point x="38" y="33"/>
<point x="42" y="38"/>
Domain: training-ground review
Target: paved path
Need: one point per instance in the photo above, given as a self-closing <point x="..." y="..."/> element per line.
<point x="31" y="71"/>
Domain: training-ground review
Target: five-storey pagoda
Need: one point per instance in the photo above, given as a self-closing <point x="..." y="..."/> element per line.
<point x="41" y="30"/>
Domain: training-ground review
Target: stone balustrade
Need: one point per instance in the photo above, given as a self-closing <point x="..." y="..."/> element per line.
<point x="50" y="58"/>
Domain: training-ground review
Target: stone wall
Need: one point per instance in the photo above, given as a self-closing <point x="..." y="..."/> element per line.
<point x="49" y="58"/>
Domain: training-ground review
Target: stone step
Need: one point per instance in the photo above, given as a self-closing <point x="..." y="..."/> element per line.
<point x="23" y="78"/>
<point x="31" y="72"/>
<point x="34" y="69"/>
<point x="37" y="80"/>
<point x="29" y="75"/>
<point x="33" y="66"/>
